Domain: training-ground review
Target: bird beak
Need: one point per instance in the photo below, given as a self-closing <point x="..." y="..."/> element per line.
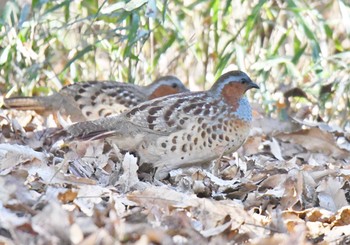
<point x="253" y="85"/>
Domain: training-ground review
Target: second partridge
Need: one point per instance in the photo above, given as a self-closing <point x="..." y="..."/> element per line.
<point x="92" y="100"/>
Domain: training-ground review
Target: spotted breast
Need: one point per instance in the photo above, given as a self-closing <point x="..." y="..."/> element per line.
<point x="180" y="130"/>
<point x="92" y="100"/>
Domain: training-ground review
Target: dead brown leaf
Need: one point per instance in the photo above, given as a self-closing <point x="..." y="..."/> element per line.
<point x="209" y="212"/>
<point x="342" y="217"/>
<point x="13" y="155"/>
<point x="330" y="194"/>
<point x="67" y="196"/>
<point x="316" y="140"/>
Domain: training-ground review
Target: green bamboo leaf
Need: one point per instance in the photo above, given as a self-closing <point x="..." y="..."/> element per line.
<point x="279" y="43"/>
<point x="4" y="55"/>
<point x="269" y="14"/>
<point x="338" y="45"/>
<point x="165" y="5"/>
<point x="296" y="43"/>
<point x="121" y="17"/>
<point x="315" y="50"/>
<point x="328" y="31"/>
<point x="56" y="7"/>
<point x="250" y="22"/>
<point x="292" y="70"/>
<point x="41" y="90"/>
<point x="132" y="35"/>
<point x="164" y="48"/>
<point x="91" y="6"/>
<point x="227" y="7"/>
<point x="134" y="4"/>
<point x="222" y="64"/>
<point x="111" y="8"/>
<point x="194" y="4"/>
<point x="298" y="50"/>
<point x="35" y="3"/>
<point x="134" y="57"/>
<point x="78" y="56"/>
<point x="298" y="53"/>
<point x="214" y="6"/>
<point x="66" y="13"/>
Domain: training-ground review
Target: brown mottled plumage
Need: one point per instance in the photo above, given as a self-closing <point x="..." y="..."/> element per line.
<point x="92" y="100"/>
<point x="180" y="130"/>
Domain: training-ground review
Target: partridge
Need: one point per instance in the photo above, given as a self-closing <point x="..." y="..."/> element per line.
<point x="92" y="100"/>
<point x="180" y="130"/>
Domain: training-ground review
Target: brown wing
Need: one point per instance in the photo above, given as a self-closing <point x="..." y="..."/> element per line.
<point x="101" y="99"/>
<point x="173" y="112"/>
<point x="159" y="117"/>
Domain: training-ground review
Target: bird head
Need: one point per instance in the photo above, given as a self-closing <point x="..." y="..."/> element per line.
<point x="233" y="85"/>
<point x="165" y="85"/>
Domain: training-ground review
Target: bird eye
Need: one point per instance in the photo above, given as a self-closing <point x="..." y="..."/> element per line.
<point x="243" y="81"/>
<point x="174" y="85"/>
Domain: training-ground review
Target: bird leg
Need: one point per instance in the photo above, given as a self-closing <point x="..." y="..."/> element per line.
<point x="220" y="151"/>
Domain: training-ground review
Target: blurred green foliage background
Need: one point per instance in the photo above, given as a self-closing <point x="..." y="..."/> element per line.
<point x="298" y="51"/>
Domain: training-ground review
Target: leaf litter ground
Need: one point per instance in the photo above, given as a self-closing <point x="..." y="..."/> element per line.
<point x="288" y="184"/>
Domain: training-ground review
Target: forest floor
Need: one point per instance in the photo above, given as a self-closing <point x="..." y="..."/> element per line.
<point x="289" y="183"/>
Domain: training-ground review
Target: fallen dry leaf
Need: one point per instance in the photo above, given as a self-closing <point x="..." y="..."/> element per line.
<point x="315" y="140"/>
<point x="88" y="196"/>
<point x="54" y="231"/>
<point x="330" y="194"/>
<point x="129" y="177"/>
<point x="275" y="148"/>
<point x="13" y="155"/>
<point x="210" y="212"/>
<point x="67" y="196"/>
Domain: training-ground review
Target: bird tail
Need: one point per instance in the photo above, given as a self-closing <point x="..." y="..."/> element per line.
<point x="85" y="131"/>
<point x="92" y="130"/>
<point x="27" y="103"/>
